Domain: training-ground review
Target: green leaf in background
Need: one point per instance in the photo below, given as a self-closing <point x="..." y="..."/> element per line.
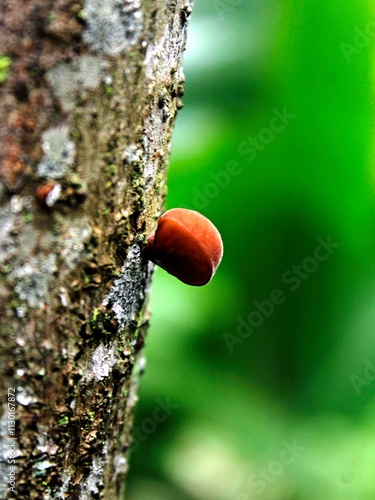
<point x="275" y="146"/>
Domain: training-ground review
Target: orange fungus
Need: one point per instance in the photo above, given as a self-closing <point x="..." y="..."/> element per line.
<point x="187" y="245"/>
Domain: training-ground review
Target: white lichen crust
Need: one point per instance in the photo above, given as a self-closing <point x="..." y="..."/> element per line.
<point x="128" y="291"/>
<point x="58" y="151"/>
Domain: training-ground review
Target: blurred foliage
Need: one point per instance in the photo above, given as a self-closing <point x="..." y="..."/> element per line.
<point x="288" y="412"/>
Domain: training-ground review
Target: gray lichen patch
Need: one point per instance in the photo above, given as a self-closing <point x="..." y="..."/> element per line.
<point x="59" y="152"/>
<point x="64" y="478"/>
<point x="42" y="466"/>
<point x="24" y="396"/>
<point x="46" y="444"/>
<point x="112" y="26"/>
<point x="73" y="248"/>
<point x="31" y="281"/>
<point x="128" y="292"/>
<point x="8" y="242"/>
<point x="94" y="482"/>
<point x="132" y="154"/>
<point x="103" y="359"/>
<point x="83" y="73"/>
<point x="17" y="236"/>
<point x="120" y="463"/>
<point x="13" y="242"/>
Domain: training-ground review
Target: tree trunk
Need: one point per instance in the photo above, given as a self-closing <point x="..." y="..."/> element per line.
<point x="89" y="94"/>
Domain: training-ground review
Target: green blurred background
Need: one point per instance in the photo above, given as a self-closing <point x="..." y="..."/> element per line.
<point x="288" y="412"/>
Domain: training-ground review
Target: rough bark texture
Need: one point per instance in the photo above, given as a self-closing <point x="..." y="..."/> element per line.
<point x="89" y="94"/>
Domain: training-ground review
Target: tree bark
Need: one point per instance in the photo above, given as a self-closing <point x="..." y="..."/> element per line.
<point x="89" y="94"/>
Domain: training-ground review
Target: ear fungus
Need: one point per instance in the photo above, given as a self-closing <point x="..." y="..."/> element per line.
<point x="187" y="245"/>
